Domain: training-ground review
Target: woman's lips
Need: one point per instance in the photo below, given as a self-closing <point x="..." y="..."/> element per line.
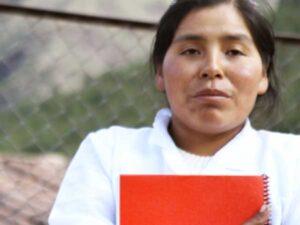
<point x="211" y="96"/>
<point x="211" y="93"/>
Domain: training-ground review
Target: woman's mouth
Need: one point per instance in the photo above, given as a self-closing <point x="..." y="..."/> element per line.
<point x="211" y="93"/>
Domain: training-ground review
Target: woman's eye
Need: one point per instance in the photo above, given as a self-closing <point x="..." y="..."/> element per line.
<point x="191" y="51"/>
<point x="234" y="52"/>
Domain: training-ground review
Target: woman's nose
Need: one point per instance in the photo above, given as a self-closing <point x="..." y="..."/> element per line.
<point x="212" y="67"/>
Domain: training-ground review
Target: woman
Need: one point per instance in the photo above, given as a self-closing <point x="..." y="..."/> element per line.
<point x="214" y="61"/>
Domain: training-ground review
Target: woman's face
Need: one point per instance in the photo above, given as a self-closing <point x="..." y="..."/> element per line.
<point x="212" y="72"/>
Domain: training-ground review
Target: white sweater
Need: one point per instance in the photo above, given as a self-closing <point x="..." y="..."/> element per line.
<point x="89" y="194"/>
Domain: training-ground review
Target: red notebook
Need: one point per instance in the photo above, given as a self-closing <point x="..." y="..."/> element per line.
<point x="190" y="200"/>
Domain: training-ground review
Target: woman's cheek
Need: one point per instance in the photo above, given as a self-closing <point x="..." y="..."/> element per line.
<point x="179" y="67"/>
<point x="169" y="66"/>
<point x="246" y="75"/>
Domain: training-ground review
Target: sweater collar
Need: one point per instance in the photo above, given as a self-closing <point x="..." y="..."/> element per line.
<point x="238" y="156"/>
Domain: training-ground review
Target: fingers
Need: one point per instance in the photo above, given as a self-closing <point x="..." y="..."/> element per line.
<point x="260" y="218"/>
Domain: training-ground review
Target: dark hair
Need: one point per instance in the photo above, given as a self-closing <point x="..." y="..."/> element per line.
<point x="258" y="25"/>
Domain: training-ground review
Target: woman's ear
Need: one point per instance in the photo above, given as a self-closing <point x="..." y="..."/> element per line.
<point x="264" y="83"/>
<point x="159" y="79"/>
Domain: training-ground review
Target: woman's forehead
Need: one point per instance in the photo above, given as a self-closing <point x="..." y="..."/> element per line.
<point x="223" y="18"/>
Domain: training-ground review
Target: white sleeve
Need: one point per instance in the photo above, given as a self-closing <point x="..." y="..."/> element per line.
<point x="292" y="215"/>
<point x="86" y="193"/>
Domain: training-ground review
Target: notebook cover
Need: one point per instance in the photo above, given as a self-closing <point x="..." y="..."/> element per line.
<point x="190" y="200"/>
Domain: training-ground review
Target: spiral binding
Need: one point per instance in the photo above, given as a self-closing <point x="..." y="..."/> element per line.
<point x="266" y="195"/>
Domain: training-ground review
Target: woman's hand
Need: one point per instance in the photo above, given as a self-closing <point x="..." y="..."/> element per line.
<point x="260" y="218"/>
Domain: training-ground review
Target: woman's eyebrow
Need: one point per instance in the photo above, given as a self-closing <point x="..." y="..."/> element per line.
<point x="189" y="37"/>
<point x="237" y="37"/>
<point x="226" y="37"/>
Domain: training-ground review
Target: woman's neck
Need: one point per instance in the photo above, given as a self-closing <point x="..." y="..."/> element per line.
<point x="201" y="143"/>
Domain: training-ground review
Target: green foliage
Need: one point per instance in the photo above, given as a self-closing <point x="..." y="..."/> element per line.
<point x="288" y="57"/>
<point x="288" y="17"/>
<point x="289" y="72"/>
<point x="125" y="96"/>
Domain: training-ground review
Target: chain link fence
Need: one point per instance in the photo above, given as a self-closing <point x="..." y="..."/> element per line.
<point x="61" y="78"/>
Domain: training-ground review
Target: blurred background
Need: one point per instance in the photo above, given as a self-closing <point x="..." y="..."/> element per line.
<point x="68" y="67"/>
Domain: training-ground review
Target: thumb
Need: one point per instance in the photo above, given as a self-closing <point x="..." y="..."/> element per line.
<point x="260" y="218"/>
